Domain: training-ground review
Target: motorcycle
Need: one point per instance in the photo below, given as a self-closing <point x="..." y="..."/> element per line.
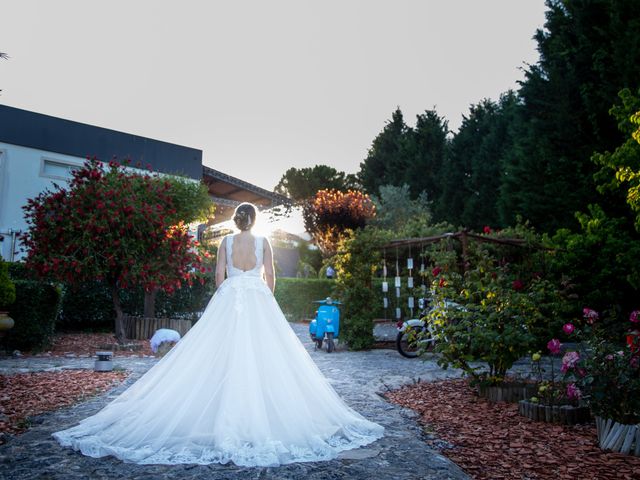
<point x="418" y="335"/>
<point x="326" y="325"/>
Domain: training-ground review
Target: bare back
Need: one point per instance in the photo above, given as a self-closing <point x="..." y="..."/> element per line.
<point x="243" y="255"/>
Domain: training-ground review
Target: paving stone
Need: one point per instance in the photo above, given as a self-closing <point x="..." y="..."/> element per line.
<point x="359" y="377"/>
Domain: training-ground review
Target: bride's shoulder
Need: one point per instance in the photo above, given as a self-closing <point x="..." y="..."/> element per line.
<point x="226" y="240"/>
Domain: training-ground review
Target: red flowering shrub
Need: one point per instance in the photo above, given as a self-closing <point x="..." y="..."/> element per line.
<point x="113" y="226"/>
<point x="330" y="213"/>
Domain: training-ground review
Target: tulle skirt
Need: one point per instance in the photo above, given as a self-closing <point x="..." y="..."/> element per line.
<point x="239" y="387"/>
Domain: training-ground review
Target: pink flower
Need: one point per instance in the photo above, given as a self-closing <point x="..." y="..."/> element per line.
<point x="569" y="361"/>
<point x="517" y="285"/>
<point x="486" y="229"/>
<point x="568" y="328"/>
<point x="609" y="357"/>
<point x="436" y="271"/>
<point x="554" y="346"/>
<point x="635" y="316"/>
<point x="573" y="392"/>
<point x="590" y="315"/>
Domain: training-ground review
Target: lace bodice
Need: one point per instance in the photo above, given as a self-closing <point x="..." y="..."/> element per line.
<point x="255" y="271"/>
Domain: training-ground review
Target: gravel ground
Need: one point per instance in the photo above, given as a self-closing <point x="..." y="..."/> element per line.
<point x="359" y="377"/>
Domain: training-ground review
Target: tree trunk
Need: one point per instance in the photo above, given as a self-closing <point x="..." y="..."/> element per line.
<point x="120" y="334"/>
<point x="150" y="303"/>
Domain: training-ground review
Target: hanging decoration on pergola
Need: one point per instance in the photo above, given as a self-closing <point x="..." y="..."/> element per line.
<point x="418" y="244"/>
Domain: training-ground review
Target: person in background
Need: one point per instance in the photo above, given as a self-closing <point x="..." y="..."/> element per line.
<point x="330" y="272"/>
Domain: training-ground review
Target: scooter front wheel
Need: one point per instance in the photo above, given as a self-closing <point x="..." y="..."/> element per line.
<point x="331" y="346"/>
<point x="318" y="343"/>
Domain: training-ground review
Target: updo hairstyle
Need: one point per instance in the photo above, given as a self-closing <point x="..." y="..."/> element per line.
<point x="245" y="216"/>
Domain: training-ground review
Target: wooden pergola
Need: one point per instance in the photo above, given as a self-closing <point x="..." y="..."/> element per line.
<point x="463" y="236"/>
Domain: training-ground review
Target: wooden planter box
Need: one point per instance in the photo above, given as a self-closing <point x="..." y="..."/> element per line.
<point x="618" y="437"/>
<point x="508" y="392"/>
<point x="562" y="414"/>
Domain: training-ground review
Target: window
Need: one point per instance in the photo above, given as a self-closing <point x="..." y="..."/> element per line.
<point x="57" y="169"/>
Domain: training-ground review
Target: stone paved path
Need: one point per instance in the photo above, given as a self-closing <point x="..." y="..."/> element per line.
<point x="359" y="377"/>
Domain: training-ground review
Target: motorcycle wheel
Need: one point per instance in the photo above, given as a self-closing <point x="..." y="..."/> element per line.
<point x="319" y="344"/>
<point x="407" y="342"/>
<point x="331" y="346"/>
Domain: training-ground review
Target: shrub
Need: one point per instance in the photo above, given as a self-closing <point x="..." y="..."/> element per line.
<point x="359" y="257"/>
<point x="296" y="295"/>
<point x="357" y="327"/>
<point x="34" y="312"/>
<point x="507" y="310"/>
<point x="89" y="306"/>
<point x="603" y="261"/>
<point x="116" y="226"/>
<point x="605" y="372"/>
<point x="19" y="271"/>
<point x="7" y="288"/>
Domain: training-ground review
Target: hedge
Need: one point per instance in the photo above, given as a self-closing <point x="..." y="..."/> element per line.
<point x="89" y="306"/>
<point x="34" y="312"/>
<point x="296" y="296"/>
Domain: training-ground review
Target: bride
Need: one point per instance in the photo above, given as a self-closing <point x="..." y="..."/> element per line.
<point x="239" y="387"/>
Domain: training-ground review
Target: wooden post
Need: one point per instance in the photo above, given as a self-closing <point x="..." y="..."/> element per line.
<point x="464" y="241"/>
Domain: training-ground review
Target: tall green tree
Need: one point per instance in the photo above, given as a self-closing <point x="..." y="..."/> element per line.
<point x="403" y="155"/>
<point x="603" y="258"/>
<point x="385" y="163"/>
<point x="589" y="50"/>
<point x="424" y="150"/>
<point x="303" y="183"/>
<point x="489" y="128"/>
<point x="620" y="169"/>
<point x="395" y="208"/>
<point x="471" y="173"/>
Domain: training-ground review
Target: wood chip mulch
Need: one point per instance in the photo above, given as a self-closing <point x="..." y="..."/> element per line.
<point x="491" y="441"/>
<point x="86" y="344"/>
<point x="25" y="395"/>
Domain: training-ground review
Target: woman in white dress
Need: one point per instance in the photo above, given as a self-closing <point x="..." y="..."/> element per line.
<point x="239" y="387"/>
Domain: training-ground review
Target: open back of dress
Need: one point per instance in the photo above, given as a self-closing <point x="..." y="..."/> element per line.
<point x="254" y="257"/>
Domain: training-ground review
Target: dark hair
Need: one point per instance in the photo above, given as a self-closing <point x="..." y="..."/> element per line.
<point x="245" y="216"/>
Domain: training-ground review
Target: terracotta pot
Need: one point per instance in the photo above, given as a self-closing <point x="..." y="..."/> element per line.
<point x="6" y="322"/>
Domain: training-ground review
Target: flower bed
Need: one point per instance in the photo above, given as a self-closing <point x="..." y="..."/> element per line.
<point x="564" y="414"/>
<point x="25" y="395"/>
<point x="491" y="441"/>
<point x="507" y="392"/>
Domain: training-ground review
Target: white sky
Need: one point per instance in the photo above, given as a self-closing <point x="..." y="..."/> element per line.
<point x="261" y="86"/>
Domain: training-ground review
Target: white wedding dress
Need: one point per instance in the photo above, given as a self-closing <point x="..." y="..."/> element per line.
<point x="239" y="387"/>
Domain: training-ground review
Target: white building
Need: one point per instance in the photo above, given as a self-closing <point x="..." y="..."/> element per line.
<point x="38" y="150"/>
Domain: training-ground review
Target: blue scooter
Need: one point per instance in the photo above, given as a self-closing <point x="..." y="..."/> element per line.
<point x="326" y="324"/>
